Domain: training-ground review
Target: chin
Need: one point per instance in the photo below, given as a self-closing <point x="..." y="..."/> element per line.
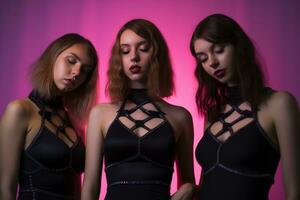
<point x="219" y="80"/>
<point x="138" y="78"/>
<point x="65" y="89"/>
<point x="70" y="89"/>
<point x="224" y="80"/>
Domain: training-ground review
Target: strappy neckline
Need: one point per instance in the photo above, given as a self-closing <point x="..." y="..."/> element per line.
<point x="140" y="109"/>
<point x="236" y="112"/>
<point x="140" y="98"/>
<point x="49" y="108"/>
<point x="42" y="102"/>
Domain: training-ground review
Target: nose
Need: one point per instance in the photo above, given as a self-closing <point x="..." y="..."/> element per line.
<point x="134" y="57"/>
<point x="76" y="69"/>
<point x="213" y="61"/>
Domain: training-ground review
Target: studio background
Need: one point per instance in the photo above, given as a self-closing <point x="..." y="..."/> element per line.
<point x="28" y="26"/>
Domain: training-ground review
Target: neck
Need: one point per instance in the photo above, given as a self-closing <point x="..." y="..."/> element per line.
<point x="232" y="84"/>
<point x="137" y="85"/>
<point x="234" y="95"/>
<point x="139" y="95"/>
<point x="53" y="103"/>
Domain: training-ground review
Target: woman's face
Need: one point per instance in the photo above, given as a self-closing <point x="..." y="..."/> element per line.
<point x="217" y="60"/>
<point x="136" y="53"/>
<point x="71" y="68"/>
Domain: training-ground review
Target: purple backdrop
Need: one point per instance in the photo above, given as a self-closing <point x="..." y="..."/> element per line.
<point x="28" y="26"/>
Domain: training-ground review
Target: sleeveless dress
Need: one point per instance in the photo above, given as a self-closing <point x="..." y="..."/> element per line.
<point x="241" y="166"/>
<point x="49" y="168"/>
<point x="139" y="167"/>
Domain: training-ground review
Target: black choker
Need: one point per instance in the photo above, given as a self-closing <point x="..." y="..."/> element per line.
<point x="234" y="96"/>
<point x="139" y="96"/>
<point x="53" y="103"/>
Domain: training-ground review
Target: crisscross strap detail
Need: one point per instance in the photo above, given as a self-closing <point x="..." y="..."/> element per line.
<point x="238" y="115"/>
<point x="140" y="123"/>
<point x="48" y="113"/>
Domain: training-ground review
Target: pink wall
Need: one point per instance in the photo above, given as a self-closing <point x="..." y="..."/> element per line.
<point x="28" y="26"/>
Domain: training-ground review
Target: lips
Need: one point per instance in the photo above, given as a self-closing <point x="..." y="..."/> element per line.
<point x="134" y="69"/>
<point x="69" y="82"/>
<point x="219" y="73"/>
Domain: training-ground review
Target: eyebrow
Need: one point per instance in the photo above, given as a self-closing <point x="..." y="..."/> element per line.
<point x="88" y="64"/>
<point x="138" y="44"/>
<point x="75" y="56"/>
<point x="199" y="53"/>
<point x="210" y="48"/>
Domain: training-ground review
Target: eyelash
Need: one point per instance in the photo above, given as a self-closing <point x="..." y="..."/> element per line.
<point x="202" y="60"/>
<point x="124" y="52"/>
<point x="145" y="49"/>
<point x="72" y="61"/>
<point x="219" y="49"/>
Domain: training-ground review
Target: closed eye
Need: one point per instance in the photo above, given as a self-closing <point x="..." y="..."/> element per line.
<point x="71" y="60"/>
<point x="144" y="50"/>
<point x="144" y="47"/>
<point x="202" y="57"/>
<point x="218" y="49"/>
<point x="124" y="51"/>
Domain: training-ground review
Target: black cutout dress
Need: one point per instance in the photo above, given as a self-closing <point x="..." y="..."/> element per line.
<point x="139" y="167"/>
<point x="49" y="167"/>
<point x="241" y="166"/>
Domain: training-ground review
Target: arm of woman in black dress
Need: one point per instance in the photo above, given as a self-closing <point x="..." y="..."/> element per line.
<point x="206" y="124"/>
<point x="94" y="155"/>
<point x="13" y="128"/>
<point x="184" y="157"/>
<point x="286" y="118"/>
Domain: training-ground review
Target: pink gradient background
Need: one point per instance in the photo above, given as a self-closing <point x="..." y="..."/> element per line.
<point x="28" y="26"/>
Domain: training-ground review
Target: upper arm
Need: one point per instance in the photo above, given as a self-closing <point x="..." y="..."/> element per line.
<point x="94" y="151"/>
<point x="184" y="150"/>
<point x="286" y="116"/>
<point x="13" y="127"/>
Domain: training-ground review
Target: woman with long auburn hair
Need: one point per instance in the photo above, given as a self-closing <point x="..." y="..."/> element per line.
<point x="248" y="126"/>
<point x="41" y="150"/>
<point x="140" y="135"/>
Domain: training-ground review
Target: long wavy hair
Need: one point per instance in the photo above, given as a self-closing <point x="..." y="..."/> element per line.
<point x="79" y="101"/>
<point x="211" y="94"/>
<point x="160" y="75"/>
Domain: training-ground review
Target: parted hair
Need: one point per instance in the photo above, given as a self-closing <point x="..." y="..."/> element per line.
<point x="247" y="71"/>
<point x="160" y="74"/>
<point x="79" y="101"/>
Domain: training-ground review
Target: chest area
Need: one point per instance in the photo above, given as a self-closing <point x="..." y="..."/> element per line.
<point x="236" y="138"/>
<point x="140" y="131"/>
<point x="49" y="151"/>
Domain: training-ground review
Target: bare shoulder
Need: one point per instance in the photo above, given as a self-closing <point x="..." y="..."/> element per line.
<point x="101" y="108"/>
<point x="18" y="112"/>
<point x="101" y="116"/>
<point x="279" y="101"/>
<point x="178" y="112"/>
<point x="20" y="108"/>
<point x="103" y="112"/>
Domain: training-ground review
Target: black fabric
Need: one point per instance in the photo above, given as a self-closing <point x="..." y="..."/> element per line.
<point x="49" y="167"/>
<point x="241" y="167"/>
<point x="139" y="167"/>
<point x="139" y="96"/>
<point x="234" y="96"/>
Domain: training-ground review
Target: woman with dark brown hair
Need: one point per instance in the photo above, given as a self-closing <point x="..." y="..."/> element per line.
<point x="140" y="135"/>
<point x="41" y="149"/>
<point x="247" y="125"/>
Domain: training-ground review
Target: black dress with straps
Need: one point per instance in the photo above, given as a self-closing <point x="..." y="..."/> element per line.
<point x="238" y="160"/>
<point x="139" y="167"/>
<point x="50" y="168"/>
